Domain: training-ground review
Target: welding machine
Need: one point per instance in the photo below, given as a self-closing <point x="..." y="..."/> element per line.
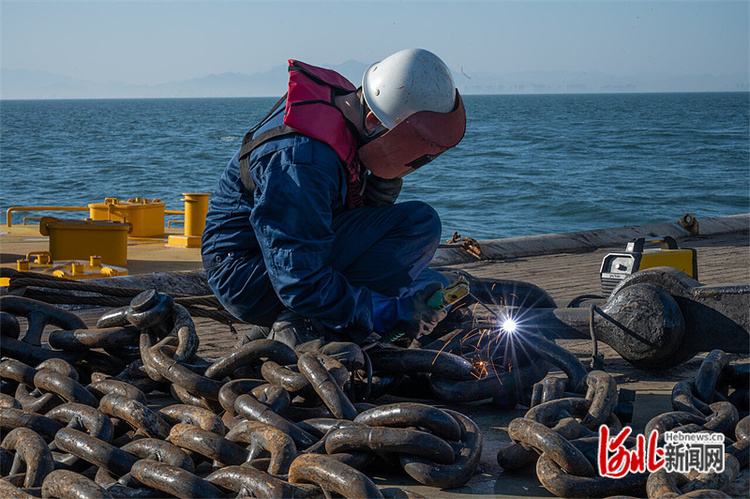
<point x="617" y="266"/>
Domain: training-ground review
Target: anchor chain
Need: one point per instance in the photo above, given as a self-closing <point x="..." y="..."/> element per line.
<point x="558" y="435"/>
<point x="268" y="420"/>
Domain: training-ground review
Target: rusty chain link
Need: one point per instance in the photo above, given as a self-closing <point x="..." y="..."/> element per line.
<point x="267" y="420"/>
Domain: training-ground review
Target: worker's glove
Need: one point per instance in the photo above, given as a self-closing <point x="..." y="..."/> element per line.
<point x="425" y="317"/>
<point x="381" y="191"/>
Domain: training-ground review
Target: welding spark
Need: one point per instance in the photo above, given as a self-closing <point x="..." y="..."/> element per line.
<point x="480" y="368"/>
<point x="496" y="345"/>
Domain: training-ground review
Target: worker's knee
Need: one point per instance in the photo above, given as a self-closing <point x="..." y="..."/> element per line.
<point x="424" y="220"/>
<point x="242" y="286"/>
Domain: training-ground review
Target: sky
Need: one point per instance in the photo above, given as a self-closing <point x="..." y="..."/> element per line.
<point x="150" y="43"/>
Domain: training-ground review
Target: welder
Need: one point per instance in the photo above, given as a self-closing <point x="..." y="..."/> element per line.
<point x="304" y="238"/>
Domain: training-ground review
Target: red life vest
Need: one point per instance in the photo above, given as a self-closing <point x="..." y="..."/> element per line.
<point x="310" y="110"/>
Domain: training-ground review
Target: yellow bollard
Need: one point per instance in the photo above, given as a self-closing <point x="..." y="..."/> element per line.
<point x="196" y="209"/>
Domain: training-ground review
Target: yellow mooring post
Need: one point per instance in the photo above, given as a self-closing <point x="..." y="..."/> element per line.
<point x="196" y="209"/>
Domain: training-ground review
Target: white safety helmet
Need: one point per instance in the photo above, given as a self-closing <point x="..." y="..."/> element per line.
<point x="412" y="93"/>
<point x="407" y="82"/>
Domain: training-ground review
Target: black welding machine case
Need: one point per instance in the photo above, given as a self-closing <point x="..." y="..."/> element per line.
<point x="617" y="266"/>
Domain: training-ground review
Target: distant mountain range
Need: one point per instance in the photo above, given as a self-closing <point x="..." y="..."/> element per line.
<point x="24" y="84"/>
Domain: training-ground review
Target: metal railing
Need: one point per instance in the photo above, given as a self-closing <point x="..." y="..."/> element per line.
<point x="9" y="211"/>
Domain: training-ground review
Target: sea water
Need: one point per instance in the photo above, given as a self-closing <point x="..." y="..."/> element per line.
<point x="528" y="164"/>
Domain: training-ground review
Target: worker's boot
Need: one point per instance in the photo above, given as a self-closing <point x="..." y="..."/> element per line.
<point x="255" y="333"/>
<point x="293" y="329"/>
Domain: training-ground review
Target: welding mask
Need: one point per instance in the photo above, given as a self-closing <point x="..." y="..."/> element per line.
<point x="414" y="142"/>
<point x="413" y="95"/>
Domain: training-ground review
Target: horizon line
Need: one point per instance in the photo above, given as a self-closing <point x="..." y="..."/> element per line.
<point x="641" y="92"/>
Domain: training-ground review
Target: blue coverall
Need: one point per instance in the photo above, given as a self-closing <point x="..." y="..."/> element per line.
<point x="292" y="244"/>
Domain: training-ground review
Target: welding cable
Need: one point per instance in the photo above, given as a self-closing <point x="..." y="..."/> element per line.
<point x="576" y="302"/>
<point x="368" y="370"/>
<point x="597" y="361"/>
<point x="351" y="388"/>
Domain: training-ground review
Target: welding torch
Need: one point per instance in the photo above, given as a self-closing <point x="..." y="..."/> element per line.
<point x="439" y="300"/>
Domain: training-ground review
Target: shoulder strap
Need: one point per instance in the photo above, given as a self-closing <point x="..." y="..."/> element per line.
<point x="250" y="142"/>
<point x="247" y="148"/>
<point x="266" y="117"/>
